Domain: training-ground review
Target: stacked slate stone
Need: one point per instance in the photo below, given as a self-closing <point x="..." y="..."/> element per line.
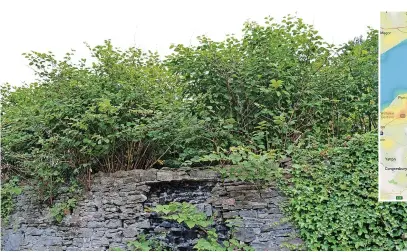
<point x="114" y="212"/>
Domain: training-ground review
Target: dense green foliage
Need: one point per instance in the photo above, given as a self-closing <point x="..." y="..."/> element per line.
<point x="279" y="83"/>
<point x="8" y="191"/>
<point x="183" y="213"/>
<point x="59" y="210"/>
<point x="279" y="91"/>
<point x="116" y="114"/>
<point x="334" y="196"/>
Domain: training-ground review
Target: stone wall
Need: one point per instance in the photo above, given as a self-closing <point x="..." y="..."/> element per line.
<point x="113" y="213"/>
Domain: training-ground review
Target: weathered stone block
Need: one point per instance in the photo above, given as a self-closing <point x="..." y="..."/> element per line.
<point x="111" y="209"/>
<point x="115" y="223"/>
<point x="135" y="173"/>
<point x="67" y="242"/>
<point x="139" y="198"/>
<point x="14" y="240"/>
<point x="130" y="232"/>
<point x="149" y="175"/>
<point x="208" y="210"/>
<point x="253" y="223"/>
<point x="72" y="248"/>
<point x="118" y="201"/>
<point x="248" y="213"/>
<point x="240" y="188"/>
<point x="96" y="224"/>
<point x="246" y="234"/>
<point x="142" y="224"/>
<point x="143" y="188"/>
<point x="102" y="242"/>
<point x="229" y="202"/>
<point x="203" y="175"/>
<point x="123" y="194"/>
<point x="109" y="216"/>
<point x="77" y="242"/>
<point x="56" y="248"/>
<point x="180" y="175"/>
<point x="51" y="241"/>
<point x="257" y="205"/>
<point x="276" y="226"/>
<point x="85" y="232"/>
<point x="34" y="231"/>
<point x="114" y="235"/>
<point x="128" y="188"/>
<point x="131" y="179"/>
<point x="164" y="175"/>
<point x="98" y="234"/>
<point x="230" y="214"/>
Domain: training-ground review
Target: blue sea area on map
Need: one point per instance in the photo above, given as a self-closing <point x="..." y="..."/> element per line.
<point x="393" y="73"/>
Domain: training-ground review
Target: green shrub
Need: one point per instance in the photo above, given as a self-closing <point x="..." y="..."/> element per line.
<point x="282" y="77"/>
<point x="9" y="190"/>
<point x="59" y="210"/>
<point x="119" y="113"/>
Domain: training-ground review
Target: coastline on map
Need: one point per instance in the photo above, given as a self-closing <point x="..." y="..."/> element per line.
<point x="393" y="74"/>
<point x="395" y="94"/>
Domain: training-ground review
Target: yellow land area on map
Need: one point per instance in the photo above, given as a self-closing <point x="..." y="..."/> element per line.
<point x="393" y="29"/>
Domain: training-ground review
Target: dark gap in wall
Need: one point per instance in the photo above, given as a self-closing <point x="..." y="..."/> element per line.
<point x="179" y="236"/>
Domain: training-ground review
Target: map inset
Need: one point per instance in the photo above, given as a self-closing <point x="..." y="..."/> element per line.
<point x="393" y="107"/>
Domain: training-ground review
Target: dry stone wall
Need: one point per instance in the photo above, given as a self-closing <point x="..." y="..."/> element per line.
<point x="114" y="212"/>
